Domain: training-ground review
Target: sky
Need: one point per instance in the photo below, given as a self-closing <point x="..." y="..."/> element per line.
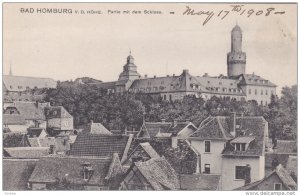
<point x="68" y="46"/>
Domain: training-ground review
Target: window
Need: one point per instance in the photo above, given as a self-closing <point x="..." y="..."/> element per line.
<point x="207" y="146"/>
<point x="262" y="92"/>
<point x="170" y="97"/>
<point x="255" y="92"/>
<point x="237" y="147"/>
<point x="243" y="147"/>
<point x="207" y="168"/>
<point x="240" y="172"/>
<point x="266" y="92"/>
<point x="277" y="186"/>
<point x="165" y="97"/>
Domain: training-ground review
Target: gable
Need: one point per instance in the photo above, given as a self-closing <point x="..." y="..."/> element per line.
<point x="268" y="183"/>
<point x="134" y="180"/>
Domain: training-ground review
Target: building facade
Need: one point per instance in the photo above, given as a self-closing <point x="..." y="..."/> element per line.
<point x="236" y="85"/>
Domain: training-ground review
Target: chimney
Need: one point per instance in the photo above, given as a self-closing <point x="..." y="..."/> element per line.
<point x="174" y="142"/>
<point x="154" y="76"/>
<point x="146" y="76"/>
<point x="168" y="75"/>
<point x="163" y="120"/>
<point x="205" y="75"/>
<point x="174" y="122"/>
<point x="232" y="123"/>
<point x="173" y="75"/>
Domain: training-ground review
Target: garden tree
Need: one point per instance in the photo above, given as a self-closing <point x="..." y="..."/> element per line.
<point x="127" y="110"/>
<point x="282" y="114"/>
<point x="89" y="102"/>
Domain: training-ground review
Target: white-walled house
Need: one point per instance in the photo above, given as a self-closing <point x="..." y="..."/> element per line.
<point x="233" y="147"/>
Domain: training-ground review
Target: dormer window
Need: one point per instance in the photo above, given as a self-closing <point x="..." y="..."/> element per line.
<point x="241" y="143"/>
<point x="240" y="147"/>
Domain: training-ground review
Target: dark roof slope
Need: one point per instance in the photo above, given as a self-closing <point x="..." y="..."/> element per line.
<point x="286" y="146"/>
<point x="56" y="112"/>
<point x="157" y="129"/>
<point x="159" y="173"/>
<point x="48" y="169"/>
<point x="252" y="79"/>
<point x="13" y="119"/>
<point x="214" y="128"/>
<point x="16" y="173"/>
<point x="200" y="182"/>
<point x="250" y="127"/>
<point x="15" y="140"/>
<point x="27" y="152"/>
<point x="99" y="145"/>
<point x="96" y="128"/>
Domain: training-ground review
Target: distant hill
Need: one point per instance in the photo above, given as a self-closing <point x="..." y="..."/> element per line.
<point x="87" y="80"/>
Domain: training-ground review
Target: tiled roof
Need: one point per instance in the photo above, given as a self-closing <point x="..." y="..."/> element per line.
<point x="96" y="128"/>
<point x="16" y="173"/>
<point x="283" y="175"/>
<point x="250" y="127"/>
<point x="159" y="173"/>
<point x="13" y="119"/>
<point x="183" y="83"/>
<point x="252" y="79"/>
<point x="292" y="165"/>
<point x="200" y="182"/>
<point x="220" y="85"/>
<point x="213" y="128"/>
<point x="286" y="146"/>
<point x="29" y="110"/>
<point x="99" y="145"/>
<point x="56" y="112"/>
<point x="41" y="142"/>
<point x="149" y="150"/>
<point x="27" y="152"/>
<point x="243" y="139"/>
<point x="20" y="83"/>
<point x="15" y="140"/>
<point x="48" y="169"/>
<point x="162" y="129"/>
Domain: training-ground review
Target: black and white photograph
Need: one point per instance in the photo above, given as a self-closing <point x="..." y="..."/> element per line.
<point x="149" y="97"/>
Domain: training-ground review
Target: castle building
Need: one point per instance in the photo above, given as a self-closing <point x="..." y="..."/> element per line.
<point x="236" y="85"/>
<point x="17" y="88"/>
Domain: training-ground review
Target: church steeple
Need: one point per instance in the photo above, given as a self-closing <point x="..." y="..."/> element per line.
<point x="236" y="59"/>
<point x="129" y="70"/>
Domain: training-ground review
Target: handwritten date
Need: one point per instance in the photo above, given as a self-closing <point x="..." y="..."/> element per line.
<point x="237" y="9"/>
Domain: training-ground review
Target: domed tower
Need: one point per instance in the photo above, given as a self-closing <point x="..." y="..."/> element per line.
<point x="129" y="70"/>
<point x="236" y="59"/>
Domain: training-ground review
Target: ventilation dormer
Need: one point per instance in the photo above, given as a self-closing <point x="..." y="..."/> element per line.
<point x="241" y="143"/>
